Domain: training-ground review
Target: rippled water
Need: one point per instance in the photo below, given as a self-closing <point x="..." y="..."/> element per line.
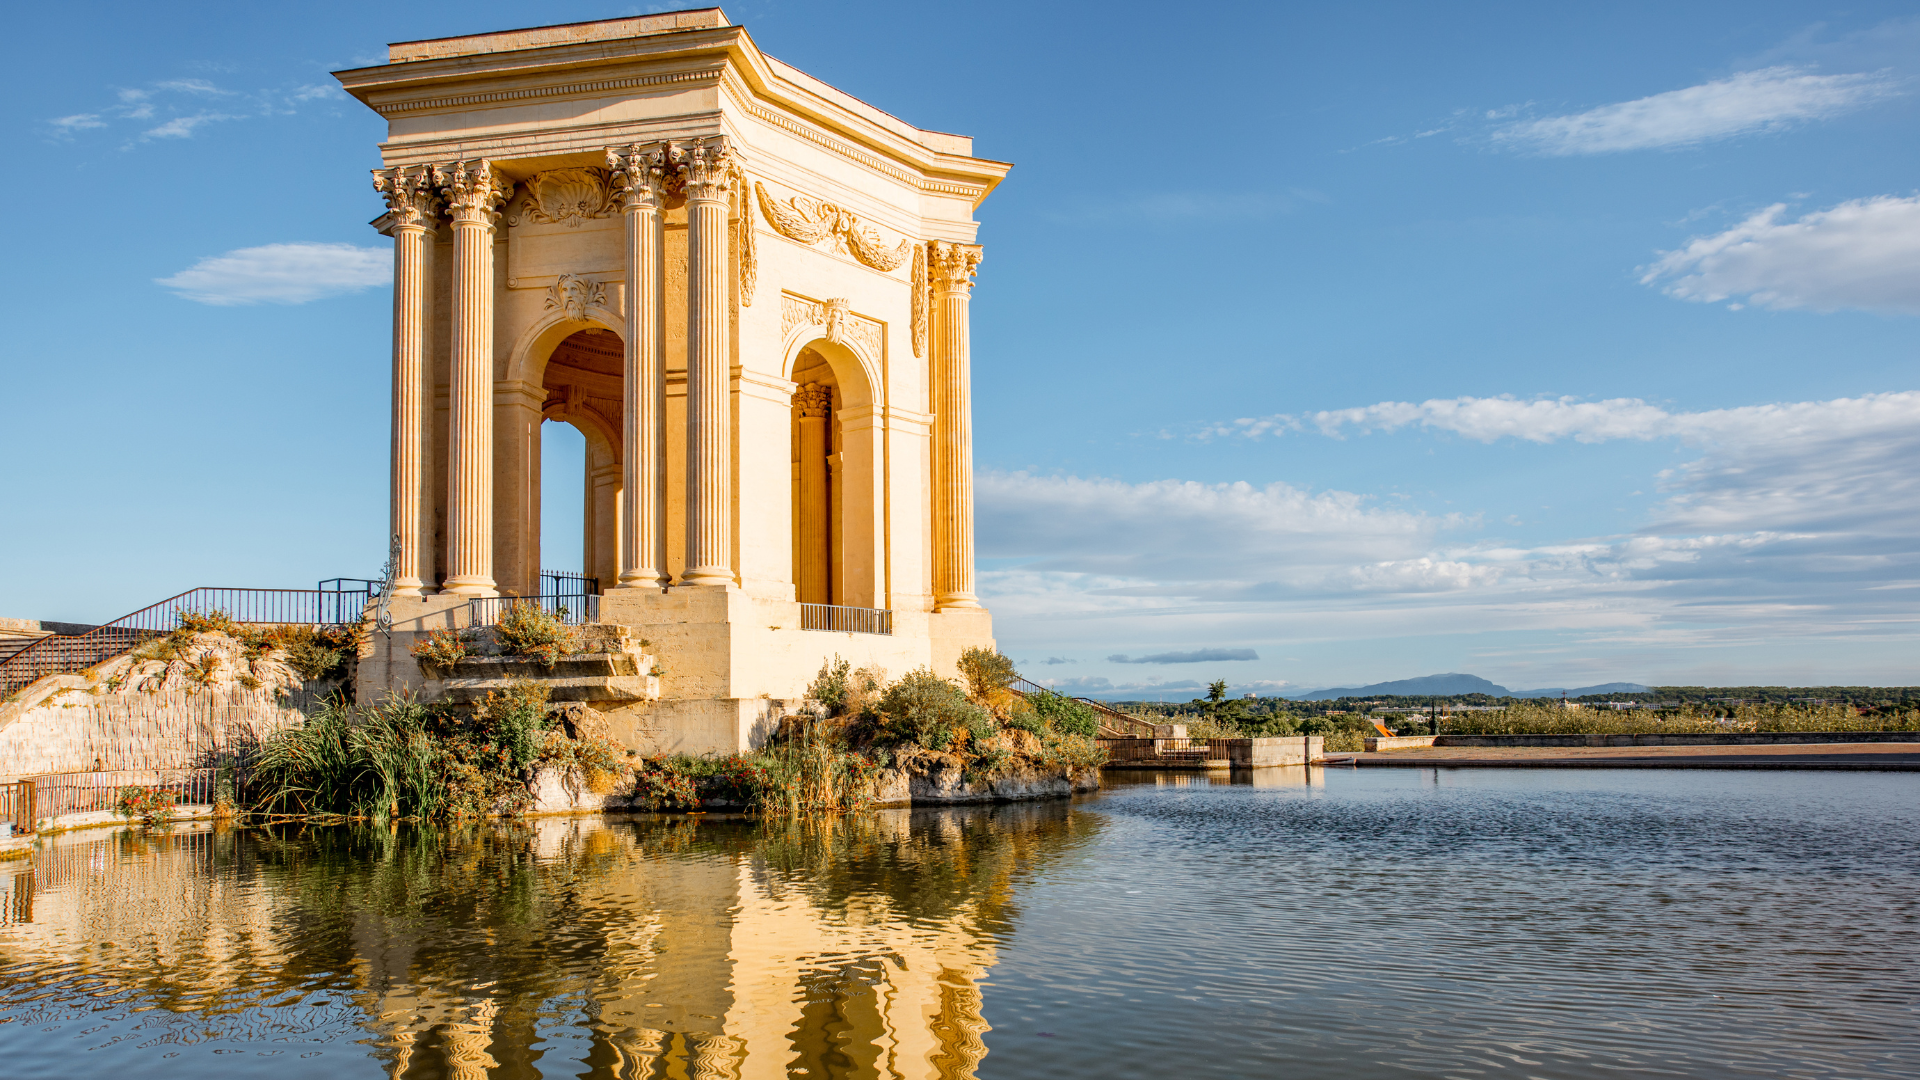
<point x="1467" y="923"/>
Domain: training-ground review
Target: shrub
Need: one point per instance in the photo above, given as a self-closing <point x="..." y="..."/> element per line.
<point x="987" y="672"/>
<point x="514" y="721"/>
<point x="1065" y="715"/>
<point x="926" y="710"/>
<point x="152" y="805"/>
<point x="598" y="761"/>
<point x="829" y="688"/>
<point x="662" y="783"/>
<point x="442" y="648"/>
<point x="530" y="631"/>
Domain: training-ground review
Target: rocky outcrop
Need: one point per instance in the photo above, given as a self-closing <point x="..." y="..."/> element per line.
<point x="934" y="779"/>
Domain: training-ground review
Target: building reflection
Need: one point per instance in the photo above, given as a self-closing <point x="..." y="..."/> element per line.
<point x="851" y="947"/>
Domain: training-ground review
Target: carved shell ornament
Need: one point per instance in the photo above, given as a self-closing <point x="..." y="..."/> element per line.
<point x="575" y="295"/>
<point x="568" y="196"/>
<point x="811" y="221"/>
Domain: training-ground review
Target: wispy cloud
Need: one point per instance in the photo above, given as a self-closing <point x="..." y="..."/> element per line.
<point x="1197" y="656"/>
<point x="1861" y="254"/>
<point x="182" y="109"/>
<point x="282" y="274"/>
<point x="1172" y="207"/>
<point x="1751" y="101"/>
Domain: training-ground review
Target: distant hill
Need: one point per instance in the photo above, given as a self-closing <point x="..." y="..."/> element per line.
<point x="1455" y="683"/>
<point x="1578" y="691"/>
<point x="1426" y="685"/>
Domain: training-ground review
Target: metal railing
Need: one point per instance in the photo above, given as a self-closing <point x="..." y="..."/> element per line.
<point x="568" y="583"/>
<point x="570" y="608"/>
<point x="59" y="794"/>
<point x="16" y="806"/>
<point x="1183" y="750"/>
<point x="1113" y="722"/>
<point x="339" y="601"/>
<point x="842" y="619"/>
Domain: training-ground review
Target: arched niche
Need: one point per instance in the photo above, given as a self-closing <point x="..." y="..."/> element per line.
<point x="838" y="476"/>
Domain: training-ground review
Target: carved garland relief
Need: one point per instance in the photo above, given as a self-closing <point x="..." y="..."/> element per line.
<point x="810" y="221"/>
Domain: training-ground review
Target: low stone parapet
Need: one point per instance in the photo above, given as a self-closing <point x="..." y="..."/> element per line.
<point x="1397" y="742"/>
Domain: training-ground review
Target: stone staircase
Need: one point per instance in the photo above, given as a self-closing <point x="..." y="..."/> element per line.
<point x="611" y="668"/>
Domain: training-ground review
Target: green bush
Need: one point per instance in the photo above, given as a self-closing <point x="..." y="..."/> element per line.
<point x="923" y="709"/>
<point x="1063" y="714"/>
<point x="152" y="805"/>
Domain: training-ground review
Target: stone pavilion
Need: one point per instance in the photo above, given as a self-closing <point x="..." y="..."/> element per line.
<point x="747" y="290"/>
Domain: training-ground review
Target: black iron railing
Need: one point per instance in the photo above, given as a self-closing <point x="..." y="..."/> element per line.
<point x="339" y="601"/>
<point x="840" y="618"/>
<point x="570" y="608"/>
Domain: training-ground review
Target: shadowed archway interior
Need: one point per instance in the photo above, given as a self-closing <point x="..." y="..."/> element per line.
<point x="583" y="384"/>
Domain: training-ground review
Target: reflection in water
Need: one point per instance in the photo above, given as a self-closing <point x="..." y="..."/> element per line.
<point x="1338" y="923"/>
<point x="658" y="947"/>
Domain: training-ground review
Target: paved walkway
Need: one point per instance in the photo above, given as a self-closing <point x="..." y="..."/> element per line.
<point x="1877" y="756"/>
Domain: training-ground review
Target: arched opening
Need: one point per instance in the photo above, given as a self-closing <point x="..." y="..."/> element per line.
<point x="838" y="547"/>
<point x="582" y="380"/>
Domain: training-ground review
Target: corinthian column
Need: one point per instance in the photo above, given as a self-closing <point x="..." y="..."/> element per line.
<point x="409" y="194"/>
<point x="640" y="177"/>
<point x="814" y="576"/>
<point x="951" y="270"/>
<point x="472" y="190"/>
<point x="709" y="165"/>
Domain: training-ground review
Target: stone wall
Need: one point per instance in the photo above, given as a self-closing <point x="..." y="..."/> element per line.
<point x="84" y="732"/>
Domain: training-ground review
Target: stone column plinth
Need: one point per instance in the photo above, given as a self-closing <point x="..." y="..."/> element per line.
<point x="709" y="167"/>
<point x="409" y="194"/>
<point x="813" y="576"/>
<point x="472" y="191"/>
<point x="951" y="268"/>
<point x="639" y="176"/>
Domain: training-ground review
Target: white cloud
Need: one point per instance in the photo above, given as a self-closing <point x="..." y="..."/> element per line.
<point x="182" y="127"/>
<point x="1780" y="538"/>
<point x="282" y="274"/>
<point x="1764" y="100"/>
<point x="78" y="122"/>
<point x="1860" y="254"/>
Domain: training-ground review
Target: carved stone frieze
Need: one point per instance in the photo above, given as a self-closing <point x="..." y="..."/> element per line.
<point x="796" y="311"/>
<point x="810" y="221"/>
<point x="409" y="193"/>
<point x="834" y="315"/>
<point x="837" y="321"/>
<point x="575" y="295"/>
<point x="473" y="190"/>
<point x="568" y="196"/>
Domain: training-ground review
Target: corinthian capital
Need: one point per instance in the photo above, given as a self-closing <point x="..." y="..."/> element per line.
<point x="472" y="189"/>
<point x="711" y="167"/>
<point x="642" y="172"/>
<point x="409" y="193"/>
<point x="950" y="266"/>
<point x="813" y="399"/>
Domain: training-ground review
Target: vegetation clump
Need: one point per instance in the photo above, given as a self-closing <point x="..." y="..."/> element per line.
<point x="152" y="805"/>
<point x="403" y="759"/>
<point x="442" y="649"/>
<point x="529" y="631"/>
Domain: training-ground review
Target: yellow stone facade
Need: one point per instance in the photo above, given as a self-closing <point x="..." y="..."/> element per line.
<point x="747" y="289"/>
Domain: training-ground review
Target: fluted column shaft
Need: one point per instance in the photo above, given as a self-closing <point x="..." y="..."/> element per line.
<point x="472" y="191"/>
<point x="409" y="194"/>
<point x="952" y="267"/>
<point x="709" y="440"/>
<point x="640" y="175"/>
<point x="814" y="575"/>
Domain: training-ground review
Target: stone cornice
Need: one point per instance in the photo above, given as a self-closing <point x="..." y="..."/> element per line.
<point x="759" y="86"/>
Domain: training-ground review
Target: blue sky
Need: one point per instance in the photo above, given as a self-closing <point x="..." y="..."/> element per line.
<point x="1558" y="344"/>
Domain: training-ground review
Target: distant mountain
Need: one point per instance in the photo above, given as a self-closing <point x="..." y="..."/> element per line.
<point x="1580" y="691"/>
<point x="1424" y="686"/>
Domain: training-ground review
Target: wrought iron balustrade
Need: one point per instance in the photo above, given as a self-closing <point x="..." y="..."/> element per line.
<point x="839" y="618"/>
<point x="573" y="609"/>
